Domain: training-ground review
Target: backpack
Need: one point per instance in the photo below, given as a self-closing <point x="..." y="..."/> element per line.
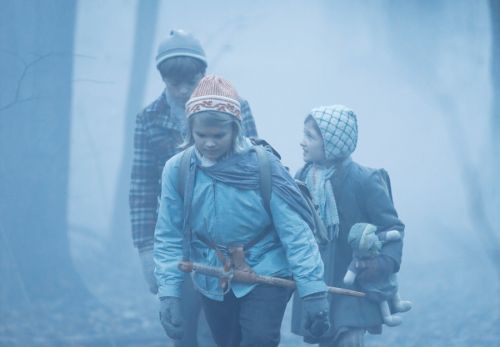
<point x="261" y="148"/>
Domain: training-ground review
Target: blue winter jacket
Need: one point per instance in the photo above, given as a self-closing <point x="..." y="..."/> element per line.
<point x="228" y="215"/>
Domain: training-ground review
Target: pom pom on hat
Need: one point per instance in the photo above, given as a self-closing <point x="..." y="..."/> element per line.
<point x="214" y="93"/>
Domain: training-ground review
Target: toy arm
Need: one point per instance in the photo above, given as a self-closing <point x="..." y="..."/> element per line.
<point x="387" y="236"/>
<point x="351" y="273"/>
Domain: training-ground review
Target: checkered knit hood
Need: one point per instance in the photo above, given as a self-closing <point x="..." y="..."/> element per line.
<point x="339" y="129"/>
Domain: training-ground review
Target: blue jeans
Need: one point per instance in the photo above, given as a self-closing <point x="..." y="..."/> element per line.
<point x="192" y="315"/>
<point x="250" y="321"/>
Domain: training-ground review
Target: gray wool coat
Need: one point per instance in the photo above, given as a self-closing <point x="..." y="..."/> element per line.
<point x="363" y="195"/>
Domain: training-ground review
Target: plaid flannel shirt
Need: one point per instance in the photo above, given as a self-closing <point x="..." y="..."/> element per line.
<point x="156" y="139"/>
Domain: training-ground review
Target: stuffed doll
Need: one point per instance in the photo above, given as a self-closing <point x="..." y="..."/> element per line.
<point x="366" y="242"/>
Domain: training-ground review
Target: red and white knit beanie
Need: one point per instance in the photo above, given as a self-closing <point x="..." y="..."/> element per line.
<point x="214" y="93"/>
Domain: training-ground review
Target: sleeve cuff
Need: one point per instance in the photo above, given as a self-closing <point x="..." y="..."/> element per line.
<point x="145" y="246"/>
<point x="311" y="287"/>
<point x="169" y="290"/>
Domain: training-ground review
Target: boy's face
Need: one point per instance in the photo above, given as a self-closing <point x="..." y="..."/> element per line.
<point x="312" y="144"/>
<point x="212" y="141"/>
<point x="181" y="90"/>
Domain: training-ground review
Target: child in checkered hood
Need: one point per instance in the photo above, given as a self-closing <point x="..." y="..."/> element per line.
<point x="347" y="193"/>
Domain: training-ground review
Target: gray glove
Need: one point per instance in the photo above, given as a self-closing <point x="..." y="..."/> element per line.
<point x="170" y="317"/>
<point x="316" y="307"/>
<point x="148" y="268"/>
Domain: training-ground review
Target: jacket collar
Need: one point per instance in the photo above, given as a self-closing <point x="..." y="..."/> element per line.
<point x="341" y="170"/>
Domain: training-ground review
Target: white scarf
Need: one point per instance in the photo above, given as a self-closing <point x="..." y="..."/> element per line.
<point x="318" y="182"/>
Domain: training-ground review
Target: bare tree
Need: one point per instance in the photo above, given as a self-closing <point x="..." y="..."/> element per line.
<point x="36" y="44"/>
<point x="145" y="30"/>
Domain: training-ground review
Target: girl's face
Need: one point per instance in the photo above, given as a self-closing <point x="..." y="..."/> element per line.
<point x="312" y="144"/>
<point x="212" y="142"/>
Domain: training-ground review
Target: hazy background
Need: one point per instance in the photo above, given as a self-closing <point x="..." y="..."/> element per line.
<point x="422" y="76"/>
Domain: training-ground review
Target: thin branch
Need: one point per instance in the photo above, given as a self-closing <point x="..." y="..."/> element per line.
<point x="17" y="102"/>
<point x="27" y="66"/>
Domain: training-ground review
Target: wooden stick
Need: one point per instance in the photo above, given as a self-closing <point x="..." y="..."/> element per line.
<point x="252" y="277"/>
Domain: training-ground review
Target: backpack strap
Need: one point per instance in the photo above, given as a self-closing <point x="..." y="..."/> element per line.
<point x="320" y="231"/>
<point x="183" y="171"/>
<point x="184" y="165"/>
<point x="264" y="176"/>
<point x="263" y="143"/>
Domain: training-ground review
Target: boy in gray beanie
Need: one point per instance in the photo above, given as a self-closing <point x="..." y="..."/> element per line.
<point x="347" y="193"/>
<point x="159" y="131"/>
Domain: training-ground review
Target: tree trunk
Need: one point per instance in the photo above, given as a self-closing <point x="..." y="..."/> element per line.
<point x="35" y="112"/>
<point x="143" y="47"/>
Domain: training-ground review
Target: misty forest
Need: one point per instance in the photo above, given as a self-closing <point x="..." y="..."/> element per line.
<point x="422" y="76"/>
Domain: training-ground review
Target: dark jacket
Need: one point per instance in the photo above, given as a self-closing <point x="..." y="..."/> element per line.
<point x="363" y="195"/>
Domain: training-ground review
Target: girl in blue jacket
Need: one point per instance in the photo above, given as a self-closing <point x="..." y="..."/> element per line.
<point x="220" y="206"/>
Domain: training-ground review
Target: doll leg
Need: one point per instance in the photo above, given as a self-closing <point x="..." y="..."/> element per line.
<point x="389" y="320"/>
<point x="400" y="305"/>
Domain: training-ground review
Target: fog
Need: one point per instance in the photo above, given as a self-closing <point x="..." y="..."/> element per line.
<point x="418" y="74"/>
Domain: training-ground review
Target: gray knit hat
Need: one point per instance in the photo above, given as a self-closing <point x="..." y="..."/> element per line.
<point x="180" y="44"/>
<point x="339" y="129"/>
